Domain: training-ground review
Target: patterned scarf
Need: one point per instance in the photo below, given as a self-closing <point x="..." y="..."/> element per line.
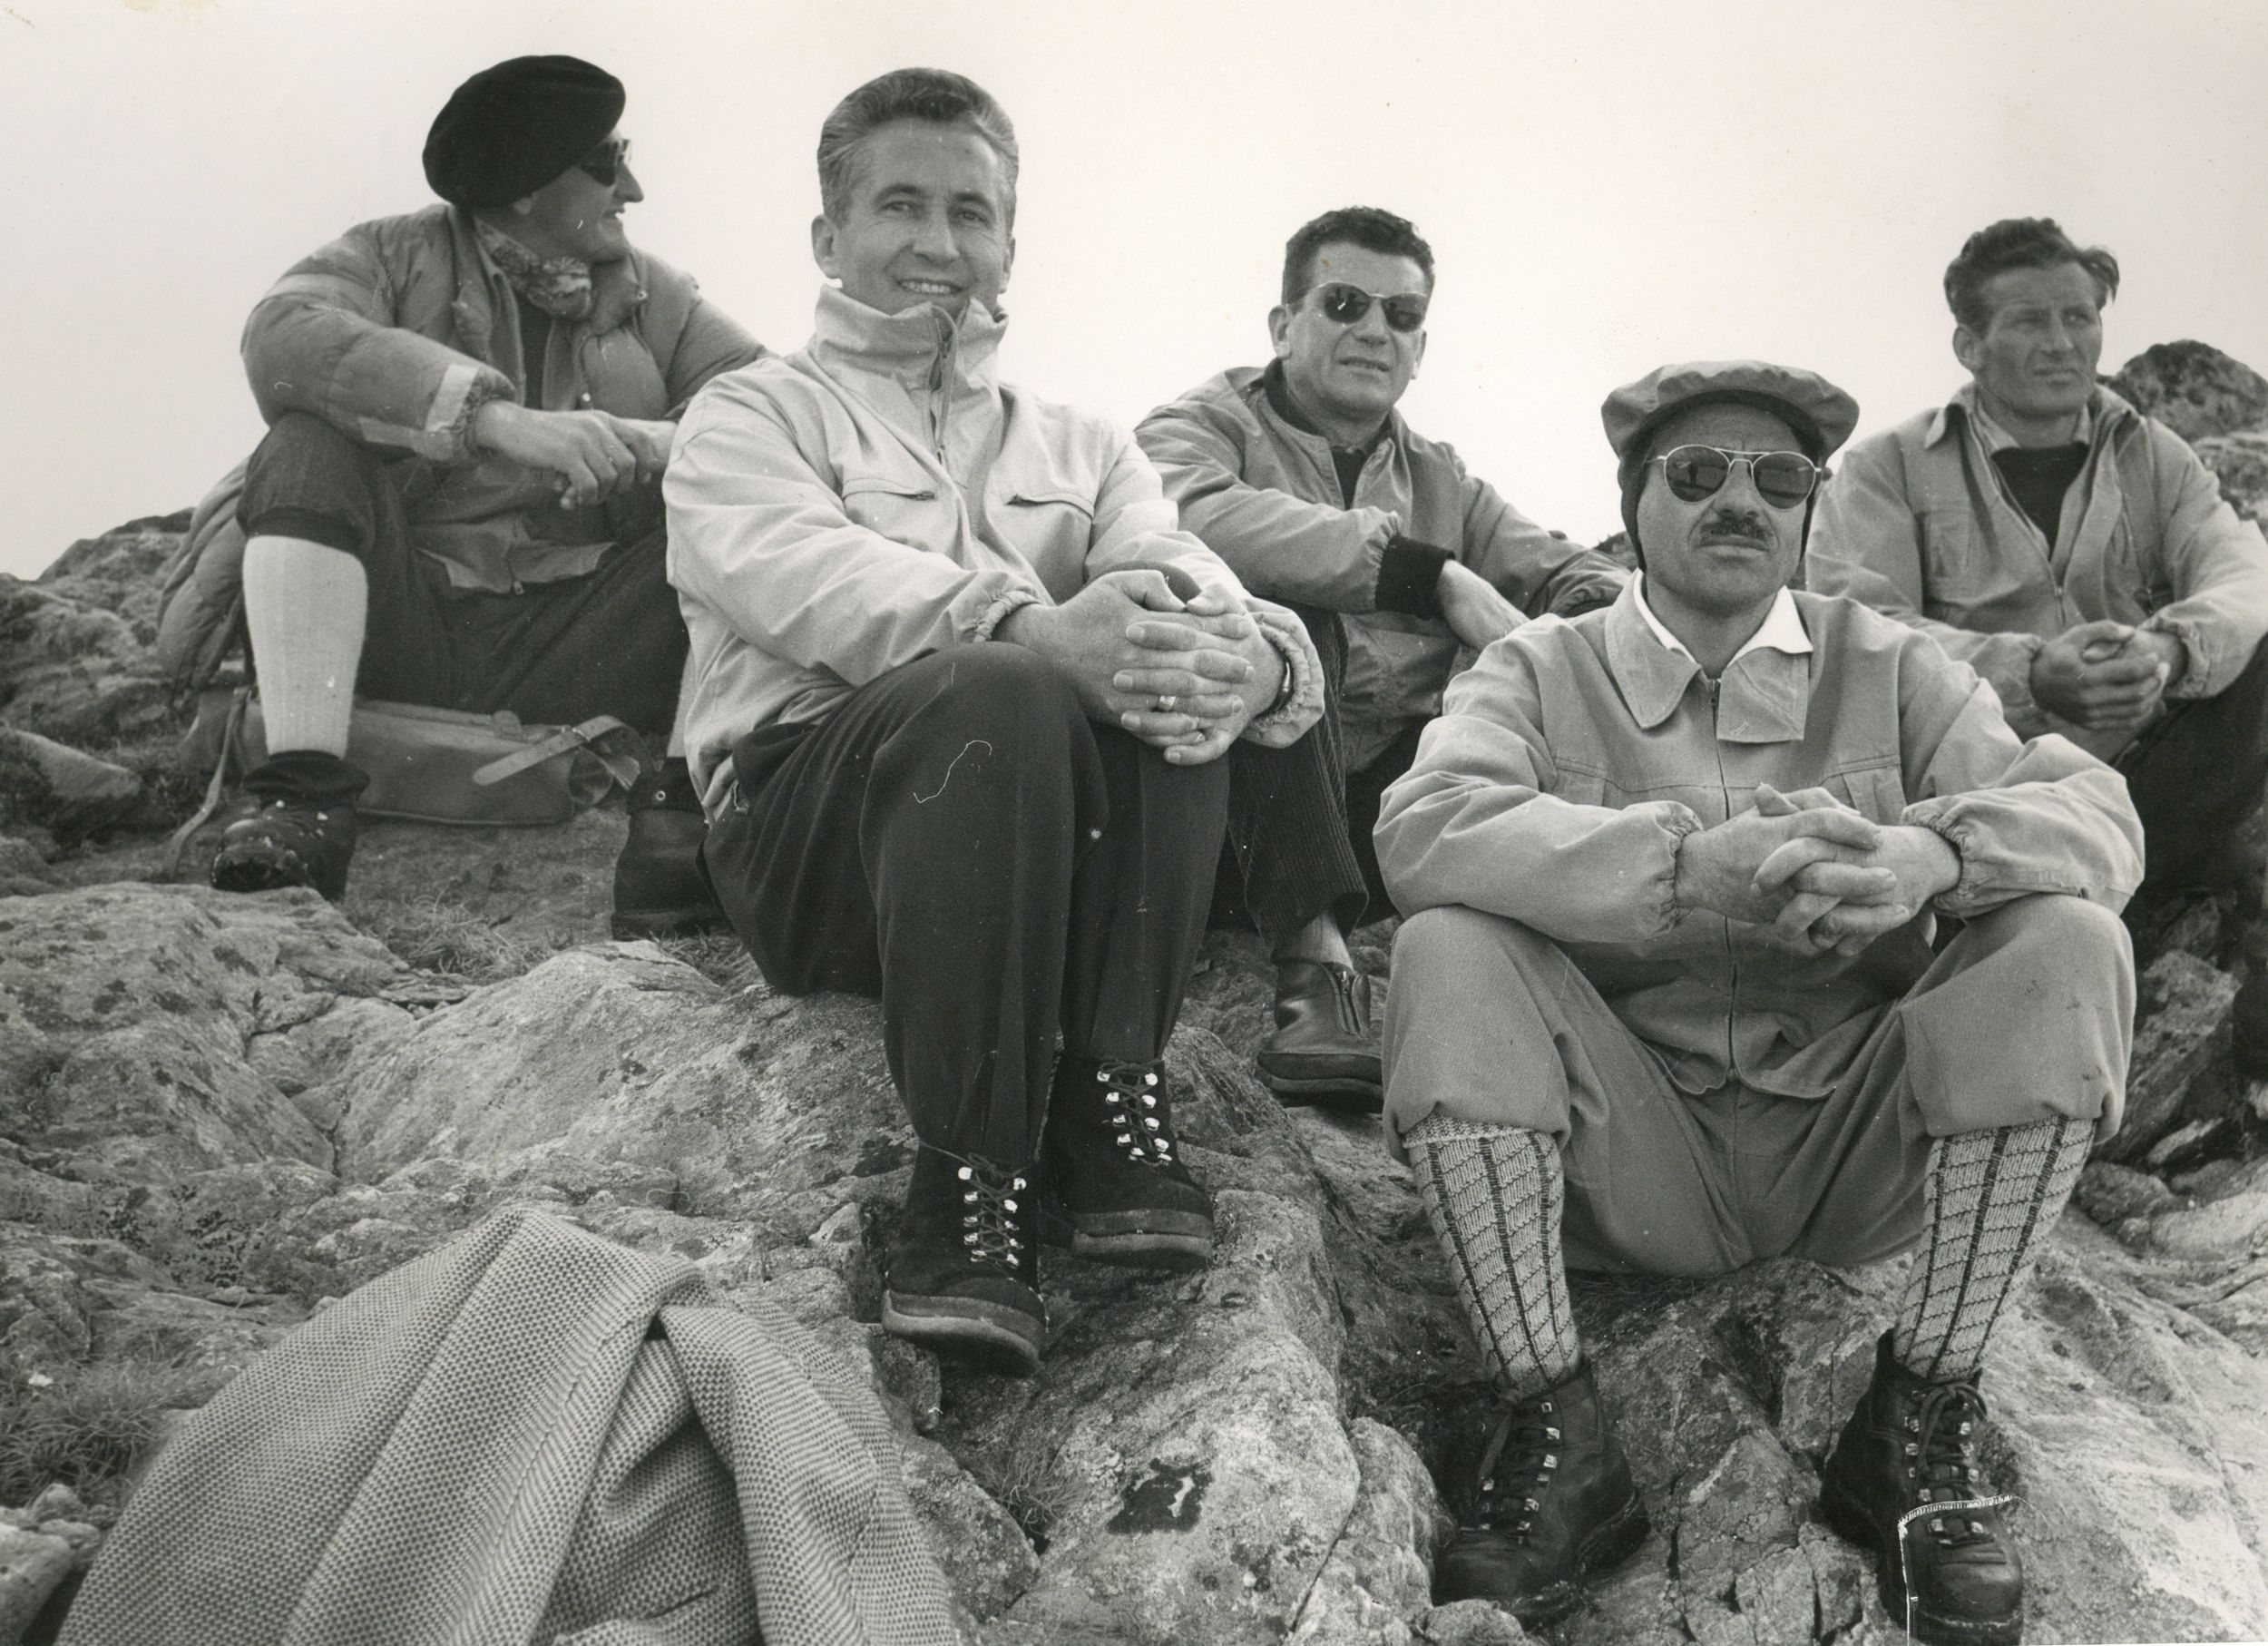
<point x="559" y="286"/>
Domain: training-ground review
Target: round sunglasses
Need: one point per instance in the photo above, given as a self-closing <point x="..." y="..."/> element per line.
<point x="604" y="163"/>
<point x="1344" y="305"/>
<point x="1782" y="479"/>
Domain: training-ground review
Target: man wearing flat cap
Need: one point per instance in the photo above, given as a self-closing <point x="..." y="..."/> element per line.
<point x="458" y="500"/>
<point x="1668" y="1000"/>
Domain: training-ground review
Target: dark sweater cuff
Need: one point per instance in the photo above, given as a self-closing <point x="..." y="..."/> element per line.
<point x="1409" y="577"/>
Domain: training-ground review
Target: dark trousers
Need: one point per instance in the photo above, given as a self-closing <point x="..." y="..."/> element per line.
<point x="1300" y="823"/>
<point x="960" y="840"/>
<point x="2198" y="775"/>
<point x="612" y="642"/>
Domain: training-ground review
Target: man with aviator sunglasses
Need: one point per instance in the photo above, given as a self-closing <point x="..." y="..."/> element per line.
<point x="458" y="500"/>
<point x="1304" y="478"/>
<point x="1667" y="1001"/>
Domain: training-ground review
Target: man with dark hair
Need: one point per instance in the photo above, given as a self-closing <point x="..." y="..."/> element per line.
<point x="1667" y="1001"/>
<point x="458" y="501"/>
<point x="2072" y="551"/>
<point x="960" y="692"/>
<point x="1306" y="481"/>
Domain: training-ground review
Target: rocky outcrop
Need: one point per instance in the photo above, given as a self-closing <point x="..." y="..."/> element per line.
<point x="2193" y="389"/>
<point x="1247" y="1454"/>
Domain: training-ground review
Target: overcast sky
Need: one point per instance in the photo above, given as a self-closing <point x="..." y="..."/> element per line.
<point x="1607" y="185"/>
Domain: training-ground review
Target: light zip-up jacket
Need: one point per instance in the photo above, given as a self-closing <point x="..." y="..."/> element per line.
<point x="1919" y="524"/>
<point x="1572" y="758"/>
<point x="397" y="333"/>
<point x="1265" y="496"/>
<point x="842" y="511"/>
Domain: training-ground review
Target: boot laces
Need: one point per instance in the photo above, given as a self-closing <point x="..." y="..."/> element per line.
<point x="1515" y="1469"/>
<point x="992" y="1217"/>
<point x="1941" y="1453"/>
<point x="1140" y="1120"/>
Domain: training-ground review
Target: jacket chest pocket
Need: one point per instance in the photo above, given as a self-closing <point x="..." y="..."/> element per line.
<point x="910" y="512"/>
<point x="1050" y="526"/>
<point x="1877" y="791"/>
<point x="1957" y="569"/>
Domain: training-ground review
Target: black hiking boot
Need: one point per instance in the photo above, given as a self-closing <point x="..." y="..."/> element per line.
<point x="660" y="889"/>
<point x="1551" y="1500"/>
<point x="963" y="1274"/>
<point x="300" y="832"/>
<point x="1118" y="1189"/>
<point x="1904" y="1482"/>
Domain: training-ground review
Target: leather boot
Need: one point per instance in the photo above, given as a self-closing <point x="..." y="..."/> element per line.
<point x="963" y="1274"/>
<point x="1322" y="1051"/>
<point x="1551" y="1500"/>
<point x="1118" y="1189"/>
<point x="301" y="829"/>
<point x="660" y="889"/>
<point x="1904" y="1482"/>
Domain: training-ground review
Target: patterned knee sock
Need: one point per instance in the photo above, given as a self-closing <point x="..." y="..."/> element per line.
<point x="1493" y="1194"/>
<point x="1991" y="1198"/>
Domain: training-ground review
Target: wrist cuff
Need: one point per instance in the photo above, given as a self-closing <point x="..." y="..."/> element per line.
<point x="1409" y="577"/>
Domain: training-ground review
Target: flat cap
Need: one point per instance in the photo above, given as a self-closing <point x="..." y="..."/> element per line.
<point x="511" y="128"/>
<point x="1821" y="415"/>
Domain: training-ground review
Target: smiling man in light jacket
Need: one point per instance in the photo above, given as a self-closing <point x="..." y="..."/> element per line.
<point x="961" y="689"/>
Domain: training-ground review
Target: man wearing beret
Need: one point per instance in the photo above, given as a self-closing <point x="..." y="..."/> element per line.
<point x="2073" y="551"/>
<point x="1668" y="1000"/>
<point x="961" y="689"/>
<point x="1306" y="481"/>
<point x="458" y="500"/>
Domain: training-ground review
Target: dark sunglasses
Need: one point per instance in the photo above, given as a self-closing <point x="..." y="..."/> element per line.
<point x="1344" y="305"/>
<point x="604" y="163"/>
<point x="1782" y="479"/>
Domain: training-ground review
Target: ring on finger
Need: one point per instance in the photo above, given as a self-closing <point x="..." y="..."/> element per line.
<point x="1165" y="703"/>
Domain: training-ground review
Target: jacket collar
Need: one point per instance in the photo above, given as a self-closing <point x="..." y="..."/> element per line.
<point x="911" y="345"/>
<point x="1763" y="697"/>
<point x="1272" y="402"/>
<point x="618" y="289"/>
<point x="2106" y="411"/>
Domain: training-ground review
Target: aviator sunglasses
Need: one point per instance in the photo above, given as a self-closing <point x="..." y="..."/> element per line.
<point x="1344" y="305"/>
<point x="1782" y="479"/>
<point x="604" y="163"/>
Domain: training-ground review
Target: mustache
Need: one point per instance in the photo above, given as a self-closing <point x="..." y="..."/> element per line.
<point x="1731" y="521"/>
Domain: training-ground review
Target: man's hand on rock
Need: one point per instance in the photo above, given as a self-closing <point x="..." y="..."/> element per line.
<point x="1474" y="609"/>
<point x="2106" y="676"/>
<point x="584" y="451"/>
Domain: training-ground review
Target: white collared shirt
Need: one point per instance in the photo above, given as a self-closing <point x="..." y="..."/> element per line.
<point x="1781" y="631"/>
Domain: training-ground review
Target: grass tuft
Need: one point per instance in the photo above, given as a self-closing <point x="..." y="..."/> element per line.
<point x="91" y="1423"/>
<point x="434" y="935"/>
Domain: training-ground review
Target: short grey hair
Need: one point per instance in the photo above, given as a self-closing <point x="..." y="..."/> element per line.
<point x="938" y="96"/>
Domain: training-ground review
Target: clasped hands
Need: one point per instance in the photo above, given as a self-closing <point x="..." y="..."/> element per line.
<point x="1820" y="875"/>
<point x="2106" y="676"/>
<point x="1183" y="674"/>
<point x="590" y="456"/>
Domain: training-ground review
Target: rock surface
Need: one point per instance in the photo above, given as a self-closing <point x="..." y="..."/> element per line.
<point x="219" y="1113"/>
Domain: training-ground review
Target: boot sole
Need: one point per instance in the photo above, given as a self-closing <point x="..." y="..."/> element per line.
<point x="1608" y="1545"/>
<point x="1847" y="1521"/>
<point x="1178" y="1241"/>
<point x="631" y="923"/>
<point x="1347" y="1096"/>
<point x="987" y="1336"/>
<point x="258" y="871"/>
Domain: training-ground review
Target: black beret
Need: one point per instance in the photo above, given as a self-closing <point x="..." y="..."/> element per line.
<point x="511" y="128"/>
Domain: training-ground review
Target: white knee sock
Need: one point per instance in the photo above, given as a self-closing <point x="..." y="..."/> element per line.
<point x="305" y="605"/>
